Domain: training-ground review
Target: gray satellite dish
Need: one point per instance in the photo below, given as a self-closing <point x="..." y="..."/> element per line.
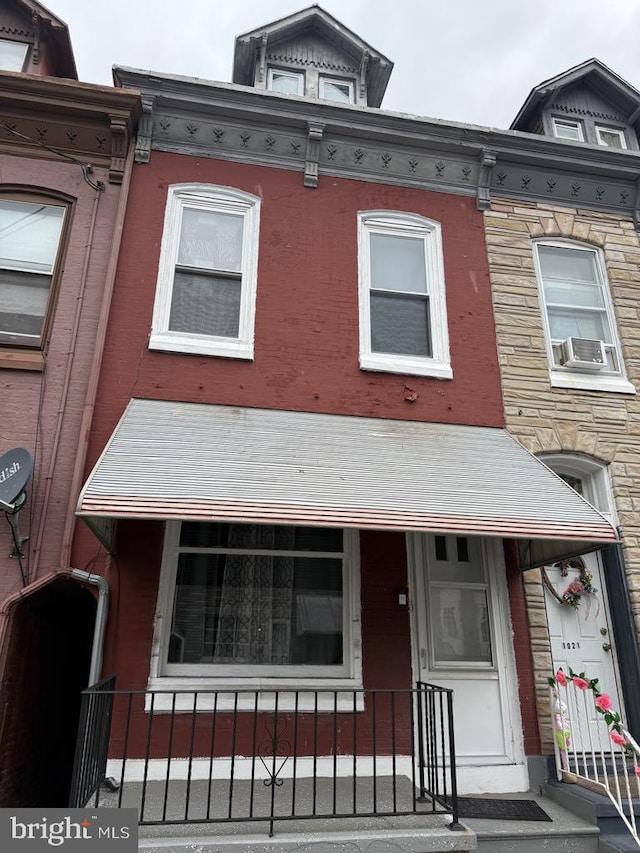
<point x="16" y="467"/>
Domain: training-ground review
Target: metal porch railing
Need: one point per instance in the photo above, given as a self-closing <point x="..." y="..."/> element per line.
<point x="268" y="755"/>
<point x="593" y="748"/>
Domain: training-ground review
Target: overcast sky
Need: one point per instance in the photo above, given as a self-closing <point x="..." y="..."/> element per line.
<point x="466" y="60"/>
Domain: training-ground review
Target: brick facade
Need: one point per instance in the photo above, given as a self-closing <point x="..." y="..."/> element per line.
<point x="602" y="425"/>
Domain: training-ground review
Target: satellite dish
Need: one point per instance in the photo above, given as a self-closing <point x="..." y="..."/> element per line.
<point x="16" y="467"/>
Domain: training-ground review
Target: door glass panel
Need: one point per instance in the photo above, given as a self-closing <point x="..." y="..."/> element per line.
<point x="441" y="547"/>
<point x="460" y="625"/>
<point x="465" y="567"/>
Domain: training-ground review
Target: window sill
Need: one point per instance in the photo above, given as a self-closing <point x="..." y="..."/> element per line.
<point x="201" y="346"/>
<point x="590" y="382"/>
<point x="413" y="365"/>
<point x="349" y="691"/>
<point x="17" y="359"/>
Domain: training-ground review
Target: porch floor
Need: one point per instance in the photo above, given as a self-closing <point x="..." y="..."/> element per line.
<point x="410" y="833"/>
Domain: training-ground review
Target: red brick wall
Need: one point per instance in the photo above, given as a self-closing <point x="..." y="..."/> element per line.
<point x="522" y="651"/>
<point x="306" y="333"/>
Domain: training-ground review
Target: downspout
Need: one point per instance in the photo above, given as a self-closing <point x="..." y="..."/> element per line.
<point x="102" y="611"/>
<point x="62" y="404"/>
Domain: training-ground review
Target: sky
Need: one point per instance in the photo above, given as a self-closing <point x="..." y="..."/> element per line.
<point x="473" y="61"/>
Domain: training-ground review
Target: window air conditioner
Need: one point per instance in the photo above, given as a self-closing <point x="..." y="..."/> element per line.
<point x="583" y="353"/>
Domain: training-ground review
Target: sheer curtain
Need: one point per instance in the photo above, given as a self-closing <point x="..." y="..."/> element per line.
<point x="254" y="625"/>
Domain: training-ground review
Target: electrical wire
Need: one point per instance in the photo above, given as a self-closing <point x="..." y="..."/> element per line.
<point x="87" y="168"/>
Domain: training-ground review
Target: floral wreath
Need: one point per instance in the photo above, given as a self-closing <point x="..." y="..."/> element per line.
<point x="603" y="706"/>
<point x="582" y="585"/>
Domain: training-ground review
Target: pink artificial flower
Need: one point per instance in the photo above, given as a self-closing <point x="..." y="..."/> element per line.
<point x="637" y="771"/>
<point x="561" y="678"/>
<point x="580" y="683"/>
<point x="617" y="738"/>
<point x="604" y="703"/>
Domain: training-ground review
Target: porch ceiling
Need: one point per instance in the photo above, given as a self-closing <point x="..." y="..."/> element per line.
<point x="198" y="461"/>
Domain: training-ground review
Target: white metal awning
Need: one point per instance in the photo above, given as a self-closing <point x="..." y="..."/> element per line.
<point x="189" y="460"/>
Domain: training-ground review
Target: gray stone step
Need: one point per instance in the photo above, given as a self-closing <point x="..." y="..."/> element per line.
<point x="618" y="844"/>
<point x="591" y="806"/>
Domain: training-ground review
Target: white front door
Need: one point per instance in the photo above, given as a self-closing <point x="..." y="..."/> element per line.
<point x="581" y="638"/>
<point x="462" y="641"/>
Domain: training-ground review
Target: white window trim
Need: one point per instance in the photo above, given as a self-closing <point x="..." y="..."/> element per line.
<point x="603" y="127"/>
<point x="595" y="477"/>
<point x="566" y="377"/>
<point x="297" y="75"/>
<point x="571" y="123"/>
<point x="217" y="199"/>
<point x="403" y="224"/>
<point x="340" y="81"/>
<point x="348" y="677"/>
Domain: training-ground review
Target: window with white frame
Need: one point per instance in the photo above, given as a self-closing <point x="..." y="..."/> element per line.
<point x="582" y="341"/>
<point x="206" y="290"/>
<point x="30" y="247"/>
<point x="246" y="600"/>
<point x="403" y="318"/>
<point x="285" y="82"/>
<point x="567" y="129"/>
<point x="335" y="89"/>
<point x="611" y="137"/>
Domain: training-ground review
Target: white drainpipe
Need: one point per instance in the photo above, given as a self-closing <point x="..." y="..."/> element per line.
<point x="102" y="611"/>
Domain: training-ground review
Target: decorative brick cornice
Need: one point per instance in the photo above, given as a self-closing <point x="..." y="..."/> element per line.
<point x="249" y="125"/>
<point x="93" y="124"/>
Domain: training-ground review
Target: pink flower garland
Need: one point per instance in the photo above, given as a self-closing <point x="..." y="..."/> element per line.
<point x="604" y="706"/>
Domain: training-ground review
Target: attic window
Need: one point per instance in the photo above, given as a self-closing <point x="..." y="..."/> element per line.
<point x="285" y="82"/>
<point x="340" y="91"/>
<point x="565" y="129"/>
<point x="612" y="137"/>
<point x="12" y="55"/>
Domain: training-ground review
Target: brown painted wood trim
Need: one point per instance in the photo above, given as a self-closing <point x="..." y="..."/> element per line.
<point x="14" y="359"/>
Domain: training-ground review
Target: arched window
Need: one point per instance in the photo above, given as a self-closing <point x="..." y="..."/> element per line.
<point x="586" y="476"/>
<point x="206" y="291"/>
<point x="32" y="231"/>
<point x="403" y="315"/>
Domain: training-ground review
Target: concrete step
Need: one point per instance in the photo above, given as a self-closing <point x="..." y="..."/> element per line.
<point x="591" y="806"/>
<point x="565" y="833"/>
<point x="317" y="840"/>
<point x="618" y="844"/>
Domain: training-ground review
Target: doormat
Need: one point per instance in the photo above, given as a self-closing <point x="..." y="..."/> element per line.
<point x="495" y="809"/>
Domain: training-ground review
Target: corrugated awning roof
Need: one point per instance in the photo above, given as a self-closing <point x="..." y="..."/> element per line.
<point x="189" y="460"/>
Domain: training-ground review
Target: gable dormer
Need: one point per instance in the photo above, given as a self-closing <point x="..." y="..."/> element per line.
<point x="34" y="41"/>
<point x="588" y="103"/>
<point x="312" y="54"/>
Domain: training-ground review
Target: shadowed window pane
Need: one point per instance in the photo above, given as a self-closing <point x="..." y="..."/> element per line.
<point x="400" y="325"/>
<point x="206" y="305"/>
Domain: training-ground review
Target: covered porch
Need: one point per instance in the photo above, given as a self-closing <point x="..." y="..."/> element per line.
<point x="367" y="725"/>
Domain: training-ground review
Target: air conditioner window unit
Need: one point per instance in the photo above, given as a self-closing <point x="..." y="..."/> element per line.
<point x="583" y="353"/>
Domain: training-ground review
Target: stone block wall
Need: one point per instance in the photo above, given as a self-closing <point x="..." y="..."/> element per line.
<point x="603" y="425"/>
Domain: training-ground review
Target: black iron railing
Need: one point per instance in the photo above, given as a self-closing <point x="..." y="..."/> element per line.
<point x="272" y="755"/>
<point x="92" y="743"/>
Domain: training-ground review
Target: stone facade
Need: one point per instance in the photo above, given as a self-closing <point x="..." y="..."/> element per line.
<point x="602" y="425"/>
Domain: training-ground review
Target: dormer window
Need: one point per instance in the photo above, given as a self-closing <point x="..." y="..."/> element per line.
<point x="566" y="129"/>
<point x="12" y="55"/>
<point x="285" y="82"/>
<point x="334" y="89"/>
<point x="611" y="137"/>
